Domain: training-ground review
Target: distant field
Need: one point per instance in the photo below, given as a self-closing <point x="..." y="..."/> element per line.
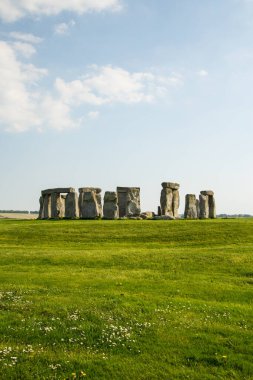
<point x="11" y="215"/>
<point x="123" y="300"/>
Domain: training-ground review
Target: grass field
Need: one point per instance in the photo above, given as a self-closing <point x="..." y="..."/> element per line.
<point x="123" y="300"/>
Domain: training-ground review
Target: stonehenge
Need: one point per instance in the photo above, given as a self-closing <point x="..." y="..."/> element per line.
<point x="64" y="202"/>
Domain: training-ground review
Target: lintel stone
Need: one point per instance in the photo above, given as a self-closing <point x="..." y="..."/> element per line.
<point x="58" y="190"/>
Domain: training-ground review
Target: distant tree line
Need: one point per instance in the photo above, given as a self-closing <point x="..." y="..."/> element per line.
<point x="18" y="212"/>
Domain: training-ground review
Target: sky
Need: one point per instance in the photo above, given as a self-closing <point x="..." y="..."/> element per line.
<point x="109" y="93"/>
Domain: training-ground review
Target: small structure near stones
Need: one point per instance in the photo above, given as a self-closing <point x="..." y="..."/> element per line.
<point x="191" y="207"/>
<point x="54" y="204"/>
<point x="207" y="207"/>
<point x="90" y="204"/>
<point x="129" y="201"/>
<point x="110" y="208"/>
<point x="169" y="199"/>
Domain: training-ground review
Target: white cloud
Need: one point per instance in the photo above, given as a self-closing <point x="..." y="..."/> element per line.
<point x="64" y="28"/>
<point x="107" y="84"/>
<point x="27" y="50"/>
<point x="26" y="37"/>
<point x="24" y="105"/>
<point x="12" y="10"/>
<point x="93" y="115"/>
<point x="203" y="73"/>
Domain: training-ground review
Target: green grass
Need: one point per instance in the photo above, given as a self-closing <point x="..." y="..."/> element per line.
<point x="124" y="300"/>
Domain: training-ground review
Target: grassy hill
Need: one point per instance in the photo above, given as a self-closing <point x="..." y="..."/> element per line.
<point x="124" y="300"/>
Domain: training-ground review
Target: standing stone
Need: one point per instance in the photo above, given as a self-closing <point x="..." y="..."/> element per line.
<point x="207" y="205"/>
<point x="41" y="200"/>
<point x="46" y="214"/>
<point x="212" y="207"/>
<point x="169" y="199"/>
<point x="90" y="203"/>
<point x="57" y="206"/>
<point x="203" y="207"/>
<point x="133" y="208"/>
<point x="71" y="206"/>
<point x="129" y="201"/>
<point x="166" y="201"/>
<point x="191" y="207"/>
<point x="111" y="208"/>
<point x="175" y="203"/>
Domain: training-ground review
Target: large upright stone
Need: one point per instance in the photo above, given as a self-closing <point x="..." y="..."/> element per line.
<point x="175" y="203"/>
<point x="110" y="208"/>
<point x="203" y="207"/>
<point x="41" y="200"/>
<point x="212" y="207"/>
<point x="207" y="208"/>
<point x="128" y="201"/>
<point x="191" y="207"/>
<point x="57" y="206"/>
<point x="46" y="214"/>
<point x="90" y="204"/>
<point x="166" y="201"/>
<point x="170" y="199"/>
<point x="133" y="208"/>
<point x="71" y="206"/>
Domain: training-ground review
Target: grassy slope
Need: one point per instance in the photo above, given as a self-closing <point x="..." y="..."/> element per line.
<point x="126" y="299"/>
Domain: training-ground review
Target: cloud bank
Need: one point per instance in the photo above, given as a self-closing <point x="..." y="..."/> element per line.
<point x="13" y="10"/>
<point x="25" y="105"/>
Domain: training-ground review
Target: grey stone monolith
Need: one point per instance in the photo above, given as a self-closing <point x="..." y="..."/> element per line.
<point x="170" y="199"/>
<point x="71" y="206"/>
<point x="212" y="207"/>
<point x="57" y="206"/>
<point x="41" y="200"/>
<point x="110" y="208"/>
<point x="191" y="207"/>
<point x="90" y="205"/>
<point x="46" y="213"/>
<point x="129" y="201"/>
<point x="133" y="208"/>
<point x="203" y="206"/>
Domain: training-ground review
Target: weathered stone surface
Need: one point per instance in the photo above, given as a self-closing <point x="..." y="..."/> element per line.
<point x="46" y="214"/>
<point x="170" y="199"/>
<point x="110" y="208"/>
<point x="128" y="201"/>
<point x="212" y="207"/>
<point x="41" y="200"/>
<point x="147" y="215"/>
<point x="133" y="208"/>
<point x="175" y="203"/>
<point x="85" y="189"/>
<point x="166" y="200"/>
<point x="71" y="206"/>
<point x="203" y="207"/>
<point x="207" y="192"/>
<point x="90" y="205"/>
<point x="171" y="185"/>
<point x="57" y="206"/>
<point x="191" y="207"/>
<point x="58" y="190"/>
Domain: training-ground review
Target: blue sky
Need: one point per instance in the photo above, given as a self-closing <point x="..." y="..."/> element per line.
<point x="127" y="93"/>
